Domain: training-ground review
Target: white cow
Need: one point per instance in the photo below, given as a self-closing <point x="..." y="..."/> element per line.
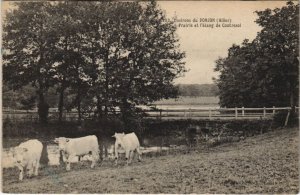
<point x="72" y="147"/>
<point x="27" y="156"/>
<point x="129" y="143"/>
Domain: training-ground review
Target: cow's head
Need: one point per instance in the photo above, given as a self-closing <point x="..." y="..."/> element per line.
<point x="18" y="154"/>
<point x="61" y="141"/>
<point x="119" y="139"/>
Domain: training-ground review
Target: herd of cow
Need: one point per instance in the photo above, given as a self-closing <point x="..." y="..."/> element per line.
<point x="27" y="155"/>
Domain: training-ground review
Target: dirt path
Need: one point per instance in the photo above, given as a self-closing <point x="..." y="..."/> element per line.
<point x="265" y="163"/>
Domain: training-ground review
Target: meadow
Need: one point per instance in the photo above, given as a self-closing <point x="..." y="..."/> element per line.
<point x="186" y="100"/>
<point x="266" y="163"/>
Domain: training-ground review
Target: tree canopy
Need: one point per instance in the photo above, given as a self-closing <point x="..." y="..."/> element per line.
<point x="102" y="54"/>
<point x="263" y="72"/>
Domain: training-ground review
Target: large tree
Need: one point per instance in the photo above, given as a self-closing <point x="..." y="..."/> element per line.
<point x="264" y="72"/>
<point x="147" y="57"/>
<point x="65" y="54"/>
<point x="28" y="43"/>
<point x="135" y="54"/>
<point x="120" y="53"/>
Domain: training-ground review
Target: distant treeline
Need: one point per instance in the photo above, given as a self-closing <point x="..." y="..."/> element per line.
<point x="196" y="90"/>
<point x="25" y="98"/>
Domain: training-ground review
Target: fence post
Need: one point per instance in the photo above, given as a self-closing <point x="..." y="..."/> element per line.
<point x="264" y="111"/>
<point x="287" y="118"/>
<point x="236" y="113"/>
<point x="209" y="113"/>
<point x="243" y="111"/>
<point x="160" y="111"/>
<point x="273" y="110"/>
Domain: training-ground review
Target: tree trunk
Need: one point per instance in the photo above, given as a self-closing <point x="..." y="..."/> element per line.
<point x="292" y="93"/>
<point x="99" y="107"/>
<point x="292" y="102"/>
<point x="79" y="105"/>
<point x="126" y="114"/>
<point x="61" y="102"/>
<point x="43" y="108"/>
<point x="106" y="84"/>
<point x="79" y="111"/>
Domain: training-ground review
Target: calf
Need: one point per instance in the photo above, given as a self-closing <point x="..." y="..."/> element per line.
<point x="129" y="143"/>
<point x="72" y="147"/>
<point x="27" y="156"/>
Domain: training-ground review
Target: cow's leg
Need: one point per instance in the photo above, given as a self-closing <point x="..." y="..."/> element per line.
<point x="116" y="161"/>
<point x="116" y="155"/>
<point x="37" y="165"/>
<point x="68" y="167"/>
<point x="131" y="156"/>
<point x="30" y="169"/>
<point x="127" y="153"/>
<point x="68" y="163"/>
<point x="93" y="163"/>
<point x="116" y="158"/>
<point x="68" y="158"/>
<point x="33" y="168"/>
<point x="94" y="157"/>
<point x="21" y="174"/>
<point x="139" y="153"/>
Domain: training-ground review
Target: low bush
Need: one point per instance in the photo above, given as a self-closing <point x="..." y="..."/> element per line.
<point x="67" y="129"/>
<point x="281" y="116"/>
<point x="150" y="131"/>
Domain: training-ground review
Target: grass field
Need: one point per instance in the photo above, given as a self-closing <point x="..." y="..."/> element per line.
<point x="190" y="101"/>
<point x="266" y="163"/>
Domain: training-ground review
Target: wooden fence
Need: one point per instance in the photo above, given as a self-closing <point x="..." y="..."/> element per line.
<point x="204" y="113"/>
<point x="220" y="113"/>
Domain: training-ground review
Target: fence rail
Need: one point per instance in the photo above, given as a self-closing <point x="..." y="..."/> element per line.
<point x="203" y="113"/>
<point x="219" y="113"/>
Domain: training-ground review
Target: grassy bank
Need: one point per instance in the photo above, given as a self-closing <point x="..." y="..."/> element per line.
<point x="266" y="163"/>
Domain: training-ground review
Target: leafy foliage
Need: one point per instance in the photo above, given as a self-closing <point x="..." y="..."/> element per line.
<point x="102" y="54"/>
<point x="196" y="90"/>
<point x="24" y="98"/>
<point x="263" y="72"/>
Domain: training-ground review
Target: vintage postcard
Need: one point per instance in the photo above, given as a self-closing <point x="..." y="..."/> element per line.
<point x="159" y="97"/>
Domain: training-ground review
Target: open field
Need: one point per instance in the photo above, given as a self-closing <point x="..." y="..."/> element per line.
<point x="201" y="100"/>
<point x="266" y="163"/>
<point x="180" y="103"/>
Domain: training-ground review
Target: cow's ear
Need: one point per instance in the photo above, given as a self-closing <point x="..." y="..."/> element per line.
<point x="123" y="133"/>
<point x="113" y="136"/>
<point x="67" y="140"/>
<point x="25" y="149"/>
<point x="55" y="140"/>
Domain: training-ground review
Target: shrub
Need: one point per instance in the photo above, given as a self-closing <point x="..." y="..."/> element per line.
<point x="280" y="117"/>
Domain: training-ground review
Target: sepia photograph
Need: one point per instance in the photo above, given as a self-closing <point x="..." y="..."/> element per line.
<point x="150" y="97"/>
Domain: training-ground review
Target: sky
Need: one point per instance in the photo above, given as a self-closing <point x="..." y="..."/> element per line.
<point x="203" y="45"/>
